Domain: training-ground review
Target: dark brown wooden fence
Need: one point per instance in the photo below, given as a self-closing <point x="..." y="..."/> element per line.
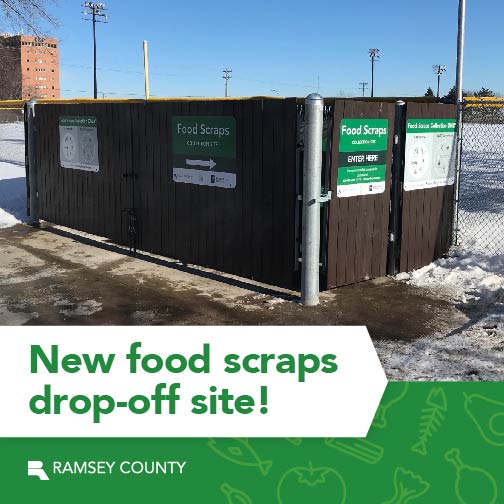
<point x="358" y="225"/>
<point x="91" y="202"/>
<point x="427" y="214"/>
<point x="251" y="230"/>
<point x="247" y="231"/>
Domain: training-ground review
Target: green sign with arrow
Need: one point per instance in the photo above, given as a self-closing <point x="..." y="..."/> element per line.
<point x="204" y="150"/>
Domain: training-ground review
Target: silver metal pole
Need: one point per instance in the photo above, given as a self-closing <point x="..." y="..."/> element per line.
<point x="460" y="109"/>
<point x="32" y="165"/>
<point x="146" y="69"/>
<point x="312" y="174"/>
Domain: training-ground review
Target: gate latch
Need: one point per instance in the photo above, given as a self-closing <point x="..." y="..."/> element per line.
<point x="323" y="198"/>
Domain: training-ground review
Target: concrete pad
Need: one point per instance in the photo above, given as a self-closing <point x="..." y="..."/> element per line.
<point x="57" y="276"/>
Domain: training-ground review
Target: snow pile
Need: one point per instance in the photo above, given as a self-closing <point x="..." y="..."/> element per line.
<point x="474" y="283"/>
<point x="463" y="277"/>
<point x="12" y="174"/>
<point x="473" y="353"/>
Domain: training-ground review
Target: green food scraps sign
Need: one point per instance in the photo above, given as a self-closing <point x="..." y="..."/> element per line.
<point x="204" y="150"/>
<point x="430" y="153"/>
<point x="362" y="157"/>
<point x="79" y="143"/>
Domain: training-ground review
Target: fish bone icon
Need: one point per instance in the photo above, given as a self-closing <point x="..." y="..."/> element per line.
<point x="239" y="451"/>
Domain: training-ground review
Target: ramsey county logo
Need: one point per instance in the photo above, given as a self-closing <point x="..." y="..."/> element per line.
<point x="35" y="468"/>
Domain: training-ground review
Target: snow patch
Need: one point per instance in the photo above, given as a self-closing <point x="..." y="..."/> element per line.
<point x="12" y="175"/>
<point x="7" y="219"/>
<point x="20" y="278"/>
<point x="462" y="277"/>
<point x="82" y="309"/>
<point x="11" y="318"/>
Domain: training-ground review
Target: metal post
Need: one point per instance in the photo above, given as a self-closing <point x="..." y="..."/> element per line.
<point x="146" y="69"/>
<point x="312" y="174"/>
<point x="460" y="105"/>
<point x="372" y="76"/>
<point x="94" y="54"/>
<point x="394" y="243"/>
<point x="32" y="165"/>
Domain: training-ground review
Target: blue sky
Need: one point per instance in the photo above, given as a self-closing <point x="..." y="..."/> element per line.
<point x="278" y="47"/>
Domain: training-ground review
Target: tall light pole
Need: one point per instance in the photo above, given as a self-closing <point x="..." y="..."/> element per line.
<point x="460" y="104"/>
<point x="95" y="10"/>
<point x="439" y="70"/>
<point x="374" y="54"/>
<point x="226" y="77"/>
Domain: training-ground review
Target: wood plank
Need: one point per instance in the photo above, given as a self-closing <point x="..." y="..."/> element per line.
<point x="256" y="189"/>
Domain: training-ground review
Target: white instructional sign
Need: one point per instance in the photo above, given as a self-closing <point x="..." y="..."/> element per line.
<point x="79" y="143"/>
<point x="430" y="153"/>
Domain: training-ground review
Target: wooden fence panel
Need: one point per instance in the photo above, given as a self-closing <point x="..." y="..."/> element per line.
<point x="426" y="213"/>
<point x="88" y="201"/>
<point x="358" y="225"/>
<point x="247" y="231"/>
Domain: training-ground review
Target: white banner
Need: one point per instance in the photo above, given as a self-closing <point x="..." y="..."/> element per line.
<point x="188" y="382"/>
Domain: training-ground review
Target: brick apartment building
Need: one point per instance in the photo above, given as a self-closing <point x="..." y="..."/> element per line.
<point x="29" y="67"/>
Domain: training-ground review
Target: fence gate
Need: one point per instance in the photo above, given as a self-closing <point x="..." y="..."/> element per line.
<point x="96" y="203"/>
<point x="142" y="176"/>
<point x="481" y="205"/>
<point x="427" y="213"/>
<point x="359" y="213"/>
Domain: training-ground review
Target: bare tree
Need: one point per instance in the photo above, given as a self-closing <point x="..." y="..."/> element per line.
<point x="10" y="71"/>
<point x="28" y="14"/>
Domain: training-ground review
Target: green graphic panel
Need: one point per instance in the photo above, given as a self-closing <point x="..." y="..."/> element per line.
<point x="358" y="135"/>
<point x="359" y="175"/>
<point x="204" y="135"/>
<point x="430" y="125"/>
<point x="429" y="443"/>
<point x="81" y="121"/>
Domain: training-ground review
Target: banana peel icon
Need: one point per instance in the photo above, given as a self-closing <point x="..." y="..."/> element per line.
<point x="488" y="416"/>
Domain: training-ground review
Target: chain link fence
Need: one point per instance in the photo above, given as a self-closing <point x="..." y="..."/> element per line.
<point x="11" y="111"/>
<point x="481" y="206"/>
